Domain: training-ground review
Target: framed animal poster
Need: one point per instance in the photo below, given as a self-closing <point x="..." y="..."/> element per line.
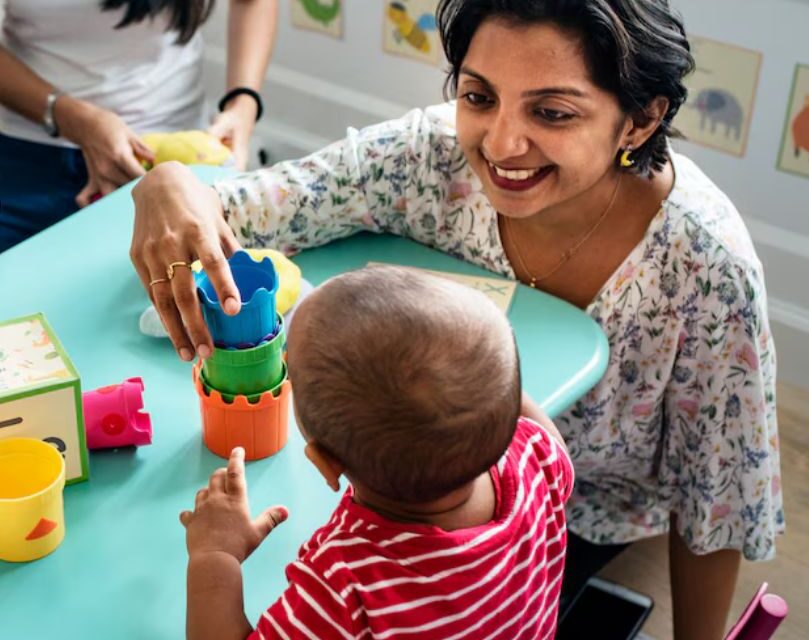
<point x="794" y="156"/>
<point x="325" y="16"/>
<point x="409" y="30"/>
<point x="721" y="93"/>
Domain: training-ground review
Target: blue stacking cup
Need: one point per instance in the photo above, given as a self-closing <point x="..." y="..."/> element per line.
<point x="258" y="284"/>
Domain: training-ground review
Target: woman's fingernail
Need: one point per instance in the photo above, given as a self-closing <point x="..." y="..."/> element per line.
<point x="231" y="306"/>
<point x="203" y="351"/>
<point x="186" y="354"/>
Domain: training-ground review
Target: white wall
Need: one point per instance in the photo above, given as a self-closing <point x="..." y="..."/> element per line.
<point x="317" y="86"/>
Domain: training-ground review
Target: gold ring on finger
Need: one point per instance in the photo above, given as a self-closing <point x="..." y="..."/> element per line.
<point x="173" y="265"/>
<point x="156" y="280"/>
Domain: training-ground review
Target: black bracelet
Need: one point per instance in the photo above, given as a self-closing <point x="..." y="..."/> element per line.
<point x="239" y="91"/>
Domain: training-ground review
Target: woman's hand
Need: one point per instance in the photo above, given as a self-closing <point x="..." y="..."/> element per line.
<point x="221" y="522"/>
<point x="180" y="219"/>
<point x="112" y="151"/>
<point x="233" y="127"/>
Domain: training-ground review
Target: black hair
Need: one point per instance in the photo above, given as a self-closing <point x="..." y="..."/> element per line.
<point x="185" y="16"/>
<point x="635" y="49"/>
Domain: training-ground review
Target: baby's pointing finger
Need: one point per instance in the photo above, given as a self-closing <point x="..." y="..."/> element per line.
<point x="235" y="483"/>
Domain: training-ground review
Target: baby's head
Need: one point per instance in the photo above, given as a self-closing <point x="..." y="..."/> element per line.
<point x="410" y="381"/>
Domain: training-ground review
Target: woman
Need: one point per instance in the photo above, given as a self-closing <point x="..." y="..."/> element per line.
<point x="554" y="168"/>
<point x="79" y="80"/>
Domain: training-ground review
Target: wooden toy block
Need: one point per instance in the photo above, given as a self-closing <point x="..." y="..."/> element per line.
<point x="40" y="391"/>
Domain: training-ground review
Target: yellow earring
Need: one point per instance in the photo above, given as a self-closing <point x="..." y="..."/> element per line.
<point x="626" y="161"/>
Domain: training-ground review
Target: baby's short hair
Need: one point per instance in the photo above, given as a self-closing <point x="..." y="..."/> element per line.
<point x="410" y="380"/>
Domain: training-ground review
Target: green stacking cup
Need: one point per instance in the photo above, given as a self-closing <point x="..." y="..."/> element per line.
<point x="247" y="371"/>
<point x="252" y="398"/>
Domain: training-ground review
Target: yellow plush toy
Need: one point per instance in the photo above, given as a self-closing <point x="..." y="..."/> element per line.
<point x="188" y="147"/>
<point x="289" y="276"/>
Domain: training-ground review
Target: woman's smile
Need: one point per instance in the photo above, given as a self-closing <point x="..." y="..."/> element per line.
<point x="517" y="179"/>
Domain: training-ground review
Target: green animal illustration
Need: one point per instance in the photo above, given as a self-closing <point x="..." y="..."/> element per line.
<point x="321" y="11"/>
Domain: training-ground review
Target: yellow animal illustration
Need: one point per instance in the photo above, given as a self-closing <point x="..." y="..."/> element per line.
<point x="412" y="31"/>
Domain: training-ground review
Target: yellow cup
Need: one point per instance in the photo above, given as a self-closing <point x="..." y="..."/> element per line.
<point x="32" y="518"/>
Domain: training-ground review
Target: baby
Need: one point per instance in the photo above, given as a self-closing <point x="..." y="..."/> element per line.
<point x="453" y="522"/>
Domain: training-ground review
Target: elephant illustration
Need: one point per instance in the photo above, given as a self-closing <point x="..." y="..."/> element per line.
<point x="717" y="106"/>
<point x="800" y="128"/>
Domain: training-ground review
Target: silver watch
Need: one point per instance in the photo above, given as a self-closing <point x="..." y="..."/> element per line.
<point x="48" y="123"/>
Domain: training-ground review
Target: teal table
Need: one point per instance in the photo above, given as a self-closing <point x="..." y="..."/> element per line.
<point x="120" y="572"/>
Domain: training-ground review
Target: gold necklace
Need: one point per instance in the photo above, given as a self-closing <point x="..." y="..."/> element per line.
<point x="570" y="252"/>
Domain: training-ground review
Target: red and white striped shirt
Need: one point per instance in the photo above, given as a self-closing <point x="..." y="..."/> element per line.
<point x="364" y="576"/>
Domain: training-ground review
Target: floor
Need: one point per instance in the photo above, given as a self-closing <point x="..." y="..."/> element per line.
<point x="644" y="566"/>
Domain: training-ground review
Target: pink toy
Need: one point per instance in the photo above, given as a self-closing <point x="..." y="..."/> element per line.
<point x="760" y="618"/>
<point x="113" y="416"/>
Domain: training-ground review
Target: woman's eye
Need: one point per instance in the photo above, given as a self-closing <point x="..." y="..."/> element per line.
<point x="476" y="99"/>
<point x="552" y="115"/>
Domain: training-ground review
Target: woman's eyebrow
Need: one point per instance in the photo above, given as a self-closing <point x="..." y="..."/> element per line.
<point x="565" y="91"/>
<point x="477" y="76"/>
<point x="531" y="93"/>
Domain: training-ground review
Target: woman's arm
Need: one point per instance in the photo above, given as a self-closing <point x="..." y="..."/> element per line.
<point x="110" y="148"/>
<point x="701" y="588"/>
<point x="21" y="90"/>
<point x="378" y="179"/>
<point x="26" y="93"/>
<point x="719" y="457"/>
<point x="251" y="36"/>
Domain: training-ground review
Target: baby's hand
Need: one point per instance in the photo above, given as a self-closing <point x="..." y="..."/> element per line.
<point x="220" y="521"/>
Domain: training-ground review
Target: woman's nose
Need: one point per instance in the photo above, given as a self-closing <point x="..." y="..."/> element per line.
<point x="506" y="137"/>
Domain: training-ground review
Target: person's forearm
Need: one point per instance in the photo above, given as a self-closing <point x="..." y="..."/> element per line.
<point x="22" y="90"/>
<point x="25" y="93"/>
<point x="701" y="588"/>
<point x="251" y="35"/>
<point x="215" y="607"/>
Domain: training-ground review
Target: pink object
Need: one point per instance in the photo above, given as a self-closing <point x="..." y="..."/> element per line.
<point x="760" y="618"/>
<point x="113" y="416"/>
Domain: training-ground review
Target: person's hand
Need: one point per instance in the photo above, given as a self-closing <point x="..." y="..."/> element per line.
<point x="220" y="521"/>
<point x="111" y="150"/>
<point x="180" y="219"/>
<point x="233" y="127"/>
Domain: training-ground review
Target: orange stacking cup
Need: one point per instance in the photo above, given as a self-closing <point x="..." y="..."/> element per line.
<point x="260" y="428"/>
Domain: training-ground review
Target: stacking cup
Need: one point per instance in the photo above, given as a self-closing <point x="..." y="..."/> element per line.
<point x="247" y="371"/>
<point x="257" y="282"/>
<point x="252" y="398"/>
<point x="260" y="427"/>
<point x="32" y="519"/>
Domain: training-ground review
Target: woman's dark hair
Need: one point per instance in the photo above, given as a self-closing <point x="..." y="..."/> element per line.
<point x="185" y="16"/>
<point x="635" y="49"/>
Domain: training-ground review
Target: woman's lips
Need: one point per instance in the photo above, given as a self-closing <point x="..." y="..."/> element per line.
<point x="517" y="179"/>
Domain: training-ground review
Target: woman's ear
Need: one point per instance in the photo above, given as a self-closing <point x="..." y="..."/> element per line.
<point x="645" y="123"/>
<point x="328" y="467"/>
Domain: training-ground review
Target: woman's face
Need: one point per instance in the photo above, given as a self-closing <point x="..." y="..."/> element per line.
<point x="531" y="122"/>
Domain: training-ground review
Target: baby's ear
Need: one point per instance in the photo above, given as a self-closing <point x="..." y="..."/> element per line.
<point x="329" y="468"/>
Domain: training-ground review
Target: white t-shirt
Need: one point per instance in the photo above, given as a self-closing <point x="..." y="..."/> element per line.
<point x="137" y="72"/>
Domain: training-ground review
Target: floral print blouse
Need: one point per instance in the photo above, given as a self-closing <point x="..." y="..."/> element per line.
<point x="683" y="420"/>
